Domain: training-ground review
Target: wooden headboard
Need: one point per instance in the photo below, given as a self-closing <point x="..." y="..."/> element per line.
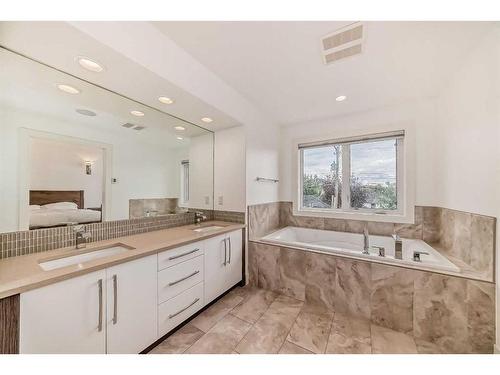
<point x="42" y="197"/>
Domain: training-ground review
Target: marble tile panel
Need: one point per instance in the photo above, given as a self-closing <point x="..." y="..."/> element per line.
<point x="481" y="316"/>
<point x="320" y="279"/>
<point x="293" y="265"/>
<point x="289" y="348"/>
<point x="255" y="305"/>
<point x="388" y="341"/>
<point x="307" y="222"/>
<point x="431" y="225"/>
<point x="337" y="225"/>
<point x="455" y="234"/>
<point x="380" y="228"/>
<point x="426" y="347"/>
<point x="263" y="218"/>
<point x="439" y="312"/>
<point x="352" y="287"/>
<point x="354" y="226"/>
<point x="208" y="318"/>
<point x="268" y="269"/>
<point x="414" y="230"/>
<point x="180" y="341"/>
<point x="312" y="328"/>
<point x="483" y="244"/>
<point x="221" y="338"/>
<point x="269" y="333"/>
<point x="392" y="297"/>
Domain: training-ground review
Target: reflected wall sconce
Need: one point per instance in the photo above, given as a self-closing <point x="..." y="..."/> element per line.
<point x="88" y="168"/>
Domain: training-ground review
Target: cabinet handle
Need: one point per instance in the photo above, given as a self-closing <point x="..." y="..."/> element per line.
<point x="115" y="299"/>
<point x="225" y="252"/>
<point x="182" y="255"/>
<point x="184" y="278"/>
<point x="99" y="326"/>
<point x="230" y="249"/>
<point x="184" y="309"/>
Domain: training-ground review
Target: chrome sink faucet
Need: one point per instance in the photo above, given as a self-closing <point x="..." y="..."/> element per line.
<point x="366" y="238"/>
<point x="199" y="217"/>
<point x="81" y="236"/>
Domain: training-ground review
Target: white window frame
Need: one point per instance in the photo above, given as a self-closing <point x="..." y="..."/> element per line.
<point x="405" y="171"/>
<point x="184" y="199"/>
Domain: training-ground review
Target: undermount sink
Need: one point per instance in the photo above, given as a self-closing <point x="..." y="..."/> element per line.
<point x="99" y="253"/>
<point x="207" y="229"/>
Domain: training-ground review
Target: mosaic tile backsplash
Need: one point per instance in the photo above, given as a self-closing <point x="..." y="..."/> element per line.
<point x="39" y="240"/>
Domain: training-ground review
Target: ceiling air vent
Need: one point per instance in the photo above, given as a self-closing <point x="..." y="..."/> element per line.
<point x="128" y="125"/>
<point x="139" y="127"/>
<point x="342" y="43"/>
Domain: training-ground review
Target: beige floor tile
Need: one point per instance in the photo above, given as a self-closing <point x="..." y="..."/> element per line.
<point x="349" y="335"/>
<point x="255" y="304"/>
<point x="222" y="337"/>
<point x="179" y="341"/>
<point x="289" y="348"/>
<point x="426" y="347"/>
<point x="208" y="318"/>
<point x="388" y="341"/>
<point x="270" y="331"/>
<point x="311" y="329"/>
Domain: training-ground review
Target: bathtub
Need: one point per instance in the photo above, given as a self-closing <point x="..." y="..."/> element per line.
<point x="351" y="245"/>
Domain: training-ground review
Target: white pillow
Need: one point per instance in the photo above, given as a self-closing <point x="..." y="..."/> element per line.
<point x="34" y="207"/>
<point x="62" y="206"/>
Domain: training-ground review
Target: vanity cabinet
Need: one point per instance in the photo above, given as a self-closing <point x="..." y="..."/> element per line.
<point x="108" y="311"/>
<point x="223" y="263"/>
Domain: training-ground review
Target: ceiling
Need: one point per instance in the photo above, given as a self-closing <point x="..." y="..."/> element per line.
<point x="59" y="43"/>
<point x="278" y="67"/>
<point x="32" y="87"/>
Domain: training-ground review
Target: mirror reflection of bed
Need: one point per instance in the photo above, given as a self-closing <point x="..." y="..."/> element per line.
<point x="49" y="208"/>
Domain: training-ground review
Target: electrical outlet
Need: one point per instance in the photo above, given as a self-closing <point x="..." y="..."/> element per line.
<point x="114" y="180"/>
<point x="221" y="200"/>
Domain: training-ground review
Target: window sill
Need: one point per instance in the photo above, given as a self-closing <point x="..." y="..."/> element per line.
<point x="407" y="218"/>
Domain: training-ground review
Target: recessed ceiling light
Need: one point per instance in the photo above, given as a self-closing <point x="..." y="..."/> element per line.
<point x="207" y="119"/>
<point x="165" y="100"/>
<point x="137" y="113"/>
<point x="88" y="64"/>
<point x="180" y="128"/>
<point x="68" y="89"/>
<point x="86" y="112"/>
<point x="180" y="138"/>
<point x="341" y="98"/>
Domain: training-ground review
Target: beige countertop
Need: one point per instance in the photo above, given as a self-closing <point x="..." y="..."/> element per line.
<point x="23" y="273"/>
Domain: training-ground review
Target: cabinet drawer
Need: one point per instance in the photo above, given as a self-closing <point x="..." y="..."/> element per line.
<point x="174" y="311"/>
<point x="180" y="254"/>
<point x="176" y="279"/>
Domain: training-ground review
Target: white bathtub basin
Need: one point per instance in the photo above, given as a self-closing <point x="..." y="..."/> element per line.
<point x="351" y="245"/>
<point x="84" y="257"/>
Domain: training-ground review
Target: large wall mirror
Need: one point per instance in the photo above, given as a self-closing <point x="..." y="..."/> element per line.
<point x="72" y="152"/>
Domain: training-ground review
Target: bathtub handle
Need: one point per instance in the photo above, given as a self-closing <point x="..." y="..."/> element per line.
<point x="416" y="255"/>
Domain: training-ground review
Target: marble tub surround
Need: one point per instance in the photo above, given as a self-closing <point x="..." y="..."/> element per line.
<point x="20" y="274"/>
<point x="454" y="314"/>
<point x="284" y="325"/>
<point x="466" y="239"/>
<point x="139" y="208"/>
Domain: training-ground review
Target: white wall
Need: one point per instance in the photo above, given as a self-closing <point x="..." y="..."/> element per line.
<point x="201" y="171"/>
<point x="143" y="169"/>
<point x="230" y="170"/>
<point x="58" y="165"/>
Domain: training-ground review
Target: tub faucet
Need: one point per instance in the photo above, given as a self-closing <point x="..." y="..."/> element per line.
<point x="81" y="236"/>
<point x="366" y="237"/>
<point x="398" y="246"/>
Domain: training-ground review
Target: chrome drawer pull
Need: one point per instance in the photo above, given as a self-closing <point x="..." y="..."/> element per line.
<point x="99" y="327"/>
<point x="115" y="299"/>
<point x="230" y="250"/>
<point x="184" y="309"/>
<point x="183" y="255"/>
<point x="184" y="278"/>
<point x="225" y="252"/>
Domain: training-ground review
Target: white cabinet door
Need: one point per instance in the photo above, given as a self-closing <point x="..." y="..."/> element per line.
<point x="234" y="267"/>
<point x="132" y="305"/>
<point x="215" y="260"/>
<point x="65" y="317"/>
<point x="223" y="264"/>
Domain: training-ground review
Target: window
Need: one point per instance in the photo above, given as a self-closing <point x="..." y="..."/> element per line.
<point x="185" y="182"/>
<point x="362" y="174"/>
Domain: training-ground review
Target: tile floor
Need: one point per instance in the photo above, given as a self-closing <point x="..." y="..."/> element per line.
<point x="249" y="320"/>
